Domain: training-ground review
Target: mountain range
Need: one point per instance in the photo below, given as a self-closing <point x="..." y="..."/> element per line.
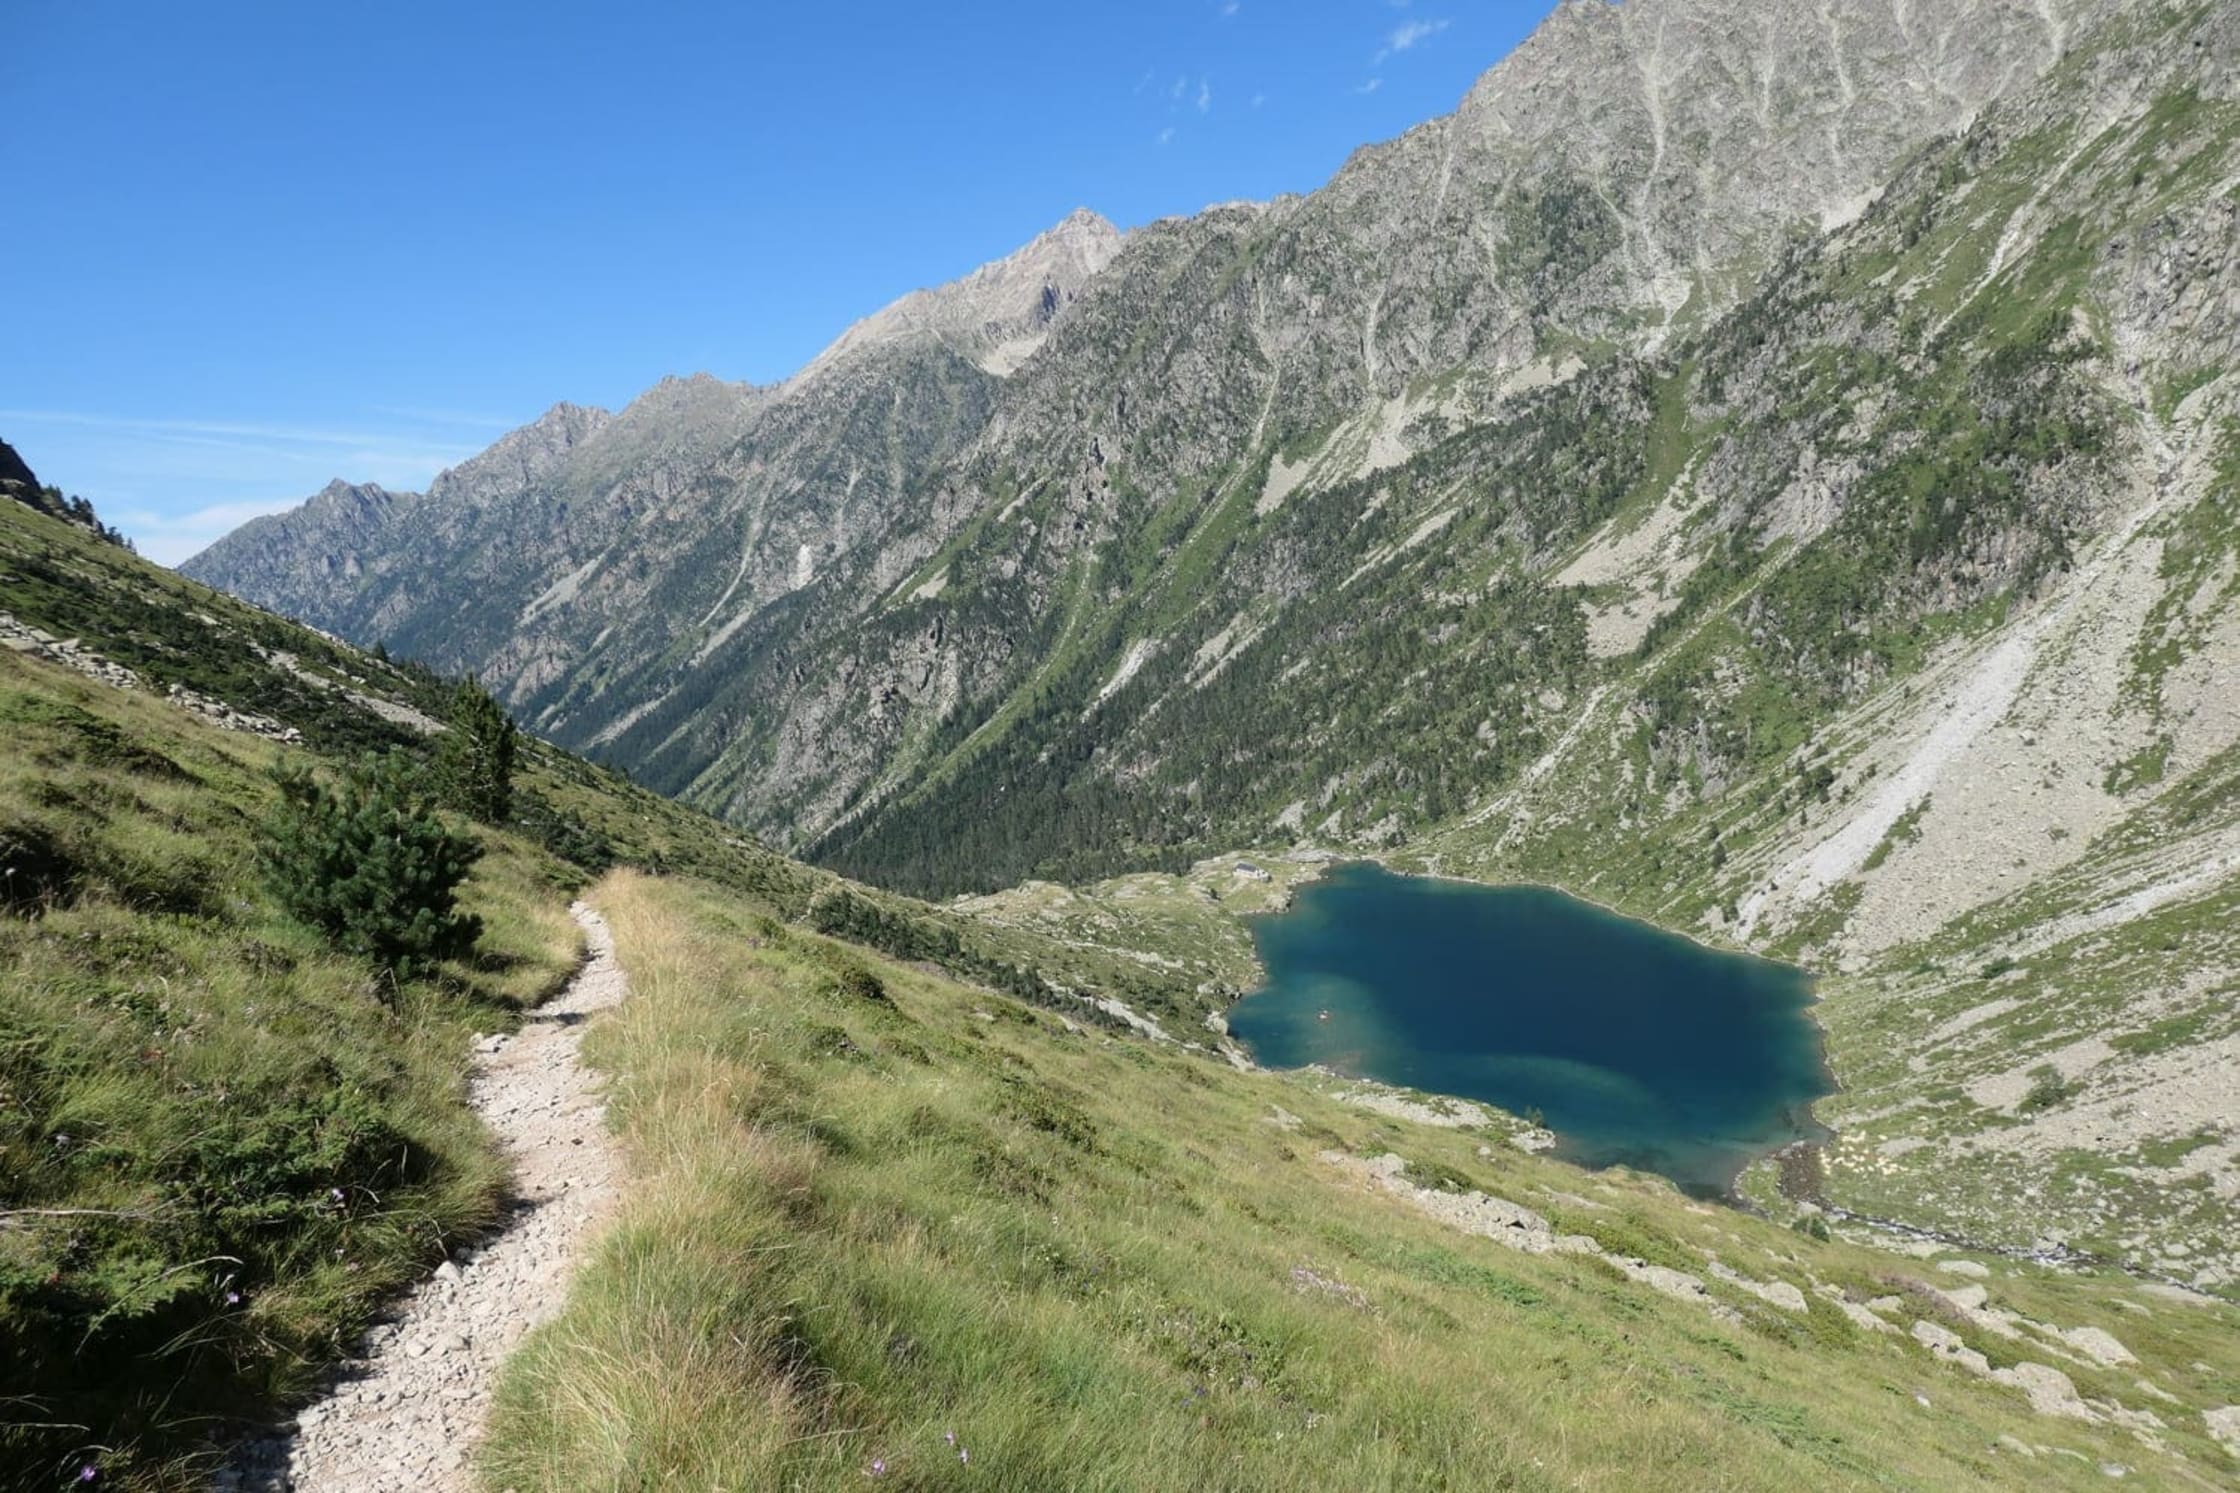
<point x="711" y="584"/>
<point x="1768" y="469"/>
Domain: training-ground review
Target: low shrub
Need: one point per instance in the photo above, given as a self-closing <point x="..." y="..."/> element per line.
<point x="369" y="863"/>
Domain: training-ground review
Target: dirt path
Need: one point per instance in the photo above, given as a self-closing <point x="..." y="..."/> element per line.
<point x="407" y="1414"/>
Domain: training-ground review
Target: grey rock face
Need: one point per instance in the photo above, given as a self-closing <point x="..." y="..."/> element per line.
<point x="1064" y="486"/>
<point x="522" y="458"/>
<point x="998" y="315"/>
<point x="312" y="562"/>
<point x="16" y="478"/>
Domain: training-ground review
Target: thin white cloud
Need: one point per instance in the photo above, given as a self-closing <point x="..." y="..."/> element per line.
<point x="1205" y="95"/>
<point x="176" y="485"/>
<point x="214" y="516"/>
<point x="1414" y="31"/>
<point x="1166" y="136"/>
<point x="1369" y="87"/>
<point x="292" y="435"/>
<point x="168" y="538"/>
<point x="1258" y="99"/>
<point x="445" y="417"/>
<point x="1407" y="35"/>
<point x="1230" y="8"/>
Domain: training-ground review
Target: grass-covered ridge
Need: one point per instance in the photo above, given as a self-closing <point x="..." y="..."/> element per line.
<point x="221" y="1143"/>
<point x="877" y="1210"/>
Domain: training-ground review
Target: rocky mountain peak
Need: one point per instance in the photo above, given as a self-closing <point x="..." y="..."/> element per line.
<point x="340" y="496"/>
<point x="693" y="398"/>
<point x="520" y="456"/>
<point x="693" y="383"/>
<point x="1083" y="231"/>
<point x="999" y="313"/>
<point x="1697" y="131"/>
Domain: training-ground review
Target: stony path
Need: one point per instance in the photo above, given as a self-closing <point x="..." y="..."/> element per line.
<point x="407" y="1414"/>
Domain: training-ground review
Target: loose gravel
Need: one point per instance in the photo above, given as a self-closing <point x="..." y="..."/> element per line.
<point x="407" y="1413"/>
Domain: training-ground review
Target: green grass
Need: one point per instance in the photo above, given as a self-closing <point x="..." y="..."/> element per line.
<point x="1100" y="1264"/>
<point x="221" y="1144"/>
<point x="1905" y="830"/>
<point x="187" y="1079"/>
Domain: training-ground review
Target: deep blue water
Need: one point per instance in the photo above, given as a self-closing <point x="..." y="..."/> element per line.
<point x="1637" y="1046"/>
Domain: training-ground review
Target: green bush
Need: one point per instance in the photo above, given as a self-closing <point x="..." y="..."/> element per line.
<point x="370" y="863"/>
<point x="474" y="763"/>
<point x="852" y="981"/>
<point x="1439" y="1177"/>
<point x="2047" y="1089"/>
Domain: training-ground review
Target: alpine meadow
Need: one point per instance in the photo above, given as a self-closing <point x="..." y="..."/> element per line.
<point x="1564" y="815"/>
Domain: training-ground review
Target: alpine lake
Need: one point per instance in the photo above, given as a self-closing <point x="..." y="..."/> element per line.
<point x="1637" y="1047"/>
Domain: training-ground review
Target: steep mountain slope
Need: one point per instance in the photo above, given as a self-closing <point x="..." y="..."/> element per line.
<point x="764" y="629"/>
<point x="1887" y="624"/>
<point x="598" y="558"/>
<point x="223" y="1143"/>
<point x="1264" y="653"/>
<point x="1966" y="732"/>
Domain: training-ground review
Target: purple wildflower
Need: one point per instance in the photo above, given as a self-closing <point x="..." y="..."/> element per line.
<point x="950" y="1437"/>
<point x="963" y="1455"/>
<point x="88" y="1473"/>
<point x="878" y="1466"/>
<point x="233" y="1298"/>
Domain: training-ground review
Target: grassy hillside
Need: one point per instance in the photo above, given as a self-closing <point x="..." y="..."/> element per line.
<point x="882" y="1223"/>
<point x="113" y="615"/>
<point x="222" y="1145"/>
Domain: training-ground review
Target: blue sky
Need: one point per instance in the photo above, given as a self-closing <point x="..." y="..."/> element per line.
<point x="256" y="246"/>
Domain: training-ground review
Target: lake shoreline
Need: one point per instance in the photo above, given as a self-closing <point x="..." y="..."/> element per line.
<point x="1325" y="861"/>
<point x="1702" y="976"/>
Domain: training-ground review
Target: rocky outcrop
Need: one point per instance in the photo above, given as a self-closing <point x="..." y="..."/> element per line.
<point x="71" y="653"/>
<point x="18" y="482"/>
<point x="16" y="478"/>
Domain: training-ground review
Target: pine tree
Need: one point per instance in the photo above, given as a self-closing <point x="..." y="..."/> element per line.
<point x="370" y="863"/>
<point x="474" y="765"/>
